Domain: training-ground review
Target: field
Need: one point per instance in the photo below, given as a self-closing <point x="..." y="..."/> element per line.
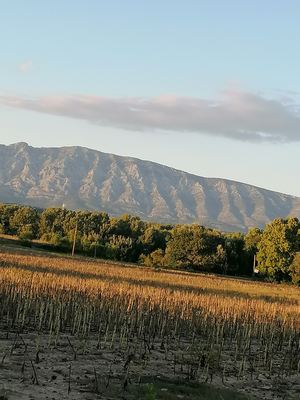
<point x="83" y="329"/>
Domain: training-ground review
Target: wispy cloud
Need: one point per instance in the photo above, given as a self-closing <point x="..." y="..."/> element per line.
<point x="25" y="66"/>
<point x="233" y="114"/>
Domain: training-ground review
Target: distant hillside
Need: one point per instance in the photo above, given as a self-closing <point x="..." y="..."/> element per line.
<point x="84" y="178"/>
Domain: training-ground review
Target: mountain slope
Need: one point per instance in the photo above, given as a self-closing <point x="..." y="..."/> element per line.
<point x="84" y="178"/>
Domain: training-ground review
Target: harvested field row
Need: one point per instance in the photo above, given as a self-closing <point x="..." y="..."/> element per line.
<point x="197" y="327"/>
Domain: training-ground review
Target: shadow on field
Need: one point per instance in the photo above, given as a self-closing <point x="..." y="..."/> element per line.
<point x="167" y="389"/>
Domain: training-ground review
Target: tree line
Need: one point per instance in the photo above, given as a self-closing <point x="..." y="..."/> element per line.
<point x="274" y="251"/>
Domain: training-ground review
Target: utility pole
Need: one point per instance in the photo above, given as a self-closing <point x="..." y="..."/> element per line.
<point x="74" y="240"/>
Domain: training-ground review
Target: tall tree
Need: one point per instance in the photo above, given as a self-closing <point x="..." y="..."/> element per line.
<point x="25" y="223"/>
<point x="193" y="246"/>
<point x="252" y="239"/>
<point x="277" y="248"/>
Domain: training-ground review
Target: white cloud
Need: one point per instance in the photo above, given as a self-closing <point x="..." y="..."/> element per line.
<point x="233" y="114"/>
<point x="25" y="66"/>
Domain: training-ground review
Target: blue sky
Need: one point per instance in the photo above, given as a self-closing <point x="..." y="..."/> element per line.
<point x="210" y="87"/>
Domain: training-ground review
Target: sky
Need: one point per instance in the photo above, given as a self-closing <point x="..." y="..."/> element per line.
<point x="210" y="87"/>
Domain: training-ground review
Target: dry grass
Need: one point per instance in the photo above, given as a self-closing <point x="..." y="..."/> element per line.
<point x="205" y="325"/>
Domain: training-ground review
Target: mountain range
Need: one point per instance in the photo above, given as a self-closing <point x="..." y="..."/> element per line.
<point x="87" y="179"/>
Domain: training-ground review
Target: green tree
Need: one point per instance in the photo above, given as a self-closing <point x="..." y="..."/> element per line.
<point x="7" y="212"/>
<point x="119" y="248"/>
<point x="154" y="238"/>
<point x="52" y="221"/>
<point x="252" y="239"/>
<point x="238" y="260"/>
<point x="277" y="248"/>
<point x="25" y="223"/>
<point x="92" y="244"/>
<point x="127" y="225"/>
<point x="193" y="246"/>
<point x="155" y="259"/>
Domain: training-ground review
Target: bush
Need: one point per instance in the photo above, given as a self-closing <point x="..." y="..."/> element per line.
<point x="155" y="259"/>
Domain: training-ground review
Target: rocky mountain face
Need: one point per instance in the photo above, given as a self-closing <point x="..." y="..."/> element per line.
<point x="87" y="179"/>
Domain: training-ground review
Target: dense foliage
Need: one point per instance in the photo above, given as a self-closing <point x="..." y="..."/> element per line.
<point x="129" y="239"/>
<point x="279" y="244"/>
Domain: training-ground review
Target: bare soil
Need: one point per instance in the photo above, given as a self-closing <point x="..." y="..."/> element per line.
<point x="35" y="367"/>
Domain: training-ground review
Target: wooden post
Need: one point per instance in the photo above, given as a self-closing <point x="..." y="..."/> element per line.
<point x="254" y="264"/>
<point x="74" y="240"/>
